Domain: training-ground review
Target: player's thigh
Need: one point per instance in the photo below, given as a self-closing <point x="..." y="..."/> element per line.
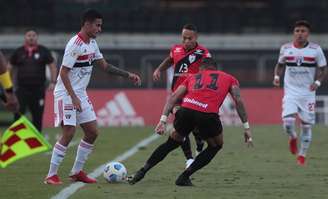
<point x="87" y="114"/>
<point x="289" y="106"/>
<point x="184" y="121"/>
<point x="209" y="125"/>
<point x="65" y="113"/>
<point x="307" y="109"/>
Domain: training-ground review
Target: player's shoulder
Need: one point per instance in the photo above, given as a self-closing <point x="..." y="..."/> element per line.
<point x="287" y="45"/>
<point x="177" y="48"/>
<point x="313" y="45"/>
<point x="199" y="46"/>
<point x="75" y="41"/>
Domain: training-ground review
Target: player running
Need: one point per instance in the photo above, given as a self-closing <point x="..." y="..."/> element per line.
<point x="72" y="105"/>
<point x="185" y="59"/>
<point x="305" y="70"/>
<point x="203" y="94"/>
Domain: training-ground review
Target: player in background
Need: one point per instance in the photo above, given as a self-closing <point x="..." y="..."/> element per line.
<point x="9" y="99"/>
<point x="185" y="59"/>
<point x="306" y="68"/>
<point x="72" y="105"/>
<point x="203" y="94"/>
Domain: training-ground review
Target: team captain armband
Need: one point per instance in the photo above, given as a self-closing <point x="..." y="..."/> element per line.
<point x="5" y="80"/>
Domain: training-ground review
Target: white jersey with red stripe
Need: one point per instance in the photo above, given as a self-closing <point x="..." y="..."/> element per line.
<point x="300" y="69"/>
<point x="79" y="57"/>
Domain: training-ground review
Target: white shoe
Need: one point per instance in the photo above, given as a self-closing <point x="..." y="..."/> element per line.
<point x="189" y="162"/>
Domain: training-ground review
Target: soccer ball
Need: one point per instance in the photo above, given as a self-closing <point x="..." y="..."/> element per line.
<point x="115" y="172"/>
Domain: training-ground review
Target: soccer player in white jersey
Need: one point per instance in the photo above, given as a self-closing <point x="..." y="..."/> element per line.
<point x="306" y="68"/>
<point x="72" y="105"/>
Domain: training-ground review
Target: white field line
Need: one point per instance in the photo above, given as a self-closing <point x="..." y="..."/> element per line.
<point x="70" y="190"/>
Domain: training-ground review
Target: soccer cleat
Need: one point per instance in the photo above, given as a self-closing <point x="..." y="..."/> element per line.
<point x="183" y="181"/>
<point x="189" y="162"/>
<point x="82" y="177"/>
<point x="301" y="160"/>
<point x="53" y="180"/>
<point x="136" y="177"/>
<point x="293" y="145"/>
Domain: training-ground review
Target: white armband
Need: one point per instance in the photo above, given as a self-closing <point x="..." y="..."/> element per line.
<point x="163" y="118"/>
<point x="246" y="125"/>
<point x="317" y="82"/>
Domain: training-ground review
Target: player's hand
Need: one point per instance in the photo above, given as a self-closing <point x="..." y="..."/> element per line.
<point x="77" y="103"/>
<point x="135" y="78"/>
<point x="11" y="103"/>
<point x="156" y="75"/>
<point x="313" y="87"/>
<point x="276" y="82"/>
<point x="248" y="138"/>
<point x="160" y="128"/>
<point x="51" y="86"/>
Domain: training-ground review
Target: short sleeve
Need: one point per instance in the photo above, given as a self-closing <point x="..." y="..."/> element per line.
<point x="320" y="58"/>
<point x="234" y="81"/>
<point x="207" y="54"/>
<point x="72" y="51"/>
<point x="98" y="54"/>
<point x="282" y="59"/>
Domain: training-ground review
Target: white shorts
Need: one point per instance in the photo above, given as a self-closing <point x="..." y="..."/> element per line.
<point x="66" y="113"/>
<point x="303" y="106"/>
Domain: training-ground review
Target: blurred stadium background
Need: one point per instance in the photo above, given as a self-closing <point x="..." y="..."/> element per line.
<point x="244" y="36"/>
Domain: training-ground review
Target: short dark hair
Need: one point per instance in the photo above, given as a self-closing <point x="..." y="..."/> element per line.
<point x="208" y="62"/>
<point x="90" y="15"/>
<point x="302" y="23"/>
<point x="190" y="26"/>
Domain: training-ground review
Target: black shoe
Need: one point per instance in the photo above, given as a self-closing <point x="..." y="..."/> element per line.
<point x="183" y="181"/>
<point x="136" y="177"/>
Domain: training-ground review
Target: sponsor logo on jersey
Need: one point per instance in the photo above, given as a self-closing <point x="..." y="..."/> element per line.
<point x="68" y="116"/>
<point x="119" y="112"/>
<point x="177" y="49"/>
<point x="299" y="60"/>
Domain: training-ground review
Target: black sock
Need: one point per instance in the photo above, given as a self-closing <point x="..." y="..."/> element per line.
<point x="202" y="160"/>
<point x="199" y="143"/>
<point x="160" y="153"/>
<point x="186" y="148"/>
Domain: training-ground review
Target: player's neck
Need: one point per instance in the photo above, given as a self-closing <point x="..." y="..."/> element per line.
<point x="84" y="36"/>
<point x="300" y="44"/>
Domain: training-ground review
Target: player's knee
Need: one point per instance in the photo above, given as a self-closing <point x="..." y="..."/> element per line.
<point x="306" y="134"/>
<point x="289" y="123"/>
<point x="215" y="148"/>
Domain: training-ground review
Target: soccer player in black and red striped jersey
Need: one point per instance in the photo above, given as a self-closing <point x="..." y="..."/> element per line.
<point x="203" y="94"/>
<point x="185" y="59"/>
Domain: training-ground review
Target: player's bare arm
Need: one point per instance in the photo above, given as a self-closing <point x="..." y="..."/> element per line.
<point x="235" y="94"/>
<point x="321" y="74"/>
<point x="166" y="63"/>
<point x="64" y="71"/>
<point x="278" y="70"/>
<point x="53" y="75"/>
<point x="111" y="69"/>
<point x="161" y="126"/>
<point x="11" y="102"/>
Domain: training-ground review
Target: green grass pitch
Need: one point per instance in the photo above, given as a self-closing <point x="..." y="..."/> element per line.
<point x="266" y="171"/>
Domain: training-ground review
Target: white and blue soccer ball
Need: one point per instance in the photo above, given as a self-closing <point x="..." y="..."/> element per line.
<point x="115" y="172"/>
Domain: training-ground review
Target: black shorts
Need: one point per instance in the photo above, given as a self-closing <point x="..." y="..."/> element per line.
<point x="208" y="124"/>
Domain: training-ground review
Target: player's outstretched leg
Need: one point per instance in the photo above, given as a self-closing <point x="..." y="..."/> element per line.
<point x="205" y="157"/>
<point x="289" y="126"/>
<point x="306" y="137"/>
<point x="186" y="148"/>
<point x="158" y="155"/>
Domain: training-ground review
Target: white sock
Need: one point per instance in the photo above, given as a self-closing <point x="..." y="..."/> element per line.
<point x="306" y="137"/>
<point x="82" y="154"/>
<point x="289" y="126"/>
<point x="57" y="157"/>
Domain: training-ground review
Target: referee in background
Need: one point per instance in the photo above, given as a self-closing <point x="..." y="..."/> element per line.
<point x="28" y="64"/>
